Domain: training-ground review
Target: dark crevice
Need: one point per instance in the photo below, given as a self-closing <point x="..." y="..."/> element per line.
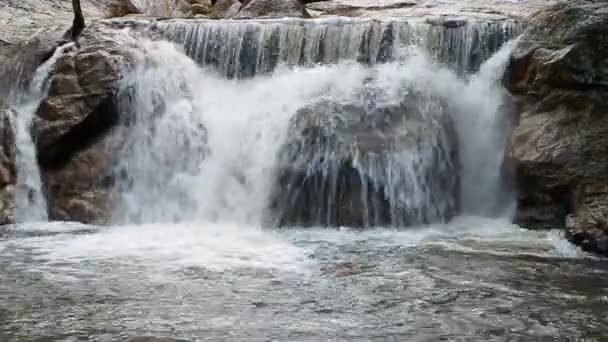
<point x="80" y="136"/>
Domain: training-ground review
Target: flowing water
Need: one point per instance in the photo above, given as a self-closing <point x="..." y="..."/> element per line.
<point x="471" y="280"/>
<point x="194" y="251"/>
<point x="30" y="202"/>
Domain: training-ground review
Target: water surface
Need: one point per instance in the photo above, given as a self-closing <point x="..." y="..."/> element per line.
<point x="473" y="279"/>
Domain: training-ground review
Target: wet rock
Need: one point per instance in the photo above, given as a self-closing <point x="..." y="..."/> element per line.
<point x="225" y="8"/>
<point x="8" y="176"/>
<point x="200" y="9"/>
<point x="349" y="164"/>
<point x="183" y="6"/>
<point x="273" y="9"/>
<point x="73" y="121"/>
<point x="559" y="78"/>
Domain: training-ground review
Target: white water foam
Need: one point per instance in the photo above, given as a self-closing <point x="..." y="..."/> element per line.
<point x="165" y="248"/>
<point x="205" y="148"/>
<point x="476" y="106"/>
<point x="29" y="198"/>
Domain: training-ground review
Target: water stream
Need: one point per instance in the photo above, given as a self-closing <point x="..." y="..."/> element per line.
<point x="30" y="204"/>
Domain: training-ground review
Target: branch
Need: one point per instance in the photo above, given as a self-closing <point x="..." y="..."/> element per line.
<point x="78" y="23"/>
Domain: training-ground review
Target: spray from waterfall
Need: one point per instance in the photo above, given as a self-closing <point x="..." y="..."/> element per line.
<point x="207" y="148"/>
<point x="29" y="197"/>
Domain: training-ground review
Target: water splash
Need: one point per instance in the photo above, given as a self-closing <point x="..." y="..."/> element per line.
<point x="203" y="147"/>
<point x="29" y="197"/>
<point x="207" y="148"/>
<point x="383" y="155"/>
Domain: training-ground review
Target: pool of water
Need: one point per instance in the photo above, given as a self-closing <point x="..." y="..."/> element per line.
<point x="473" y="279"/>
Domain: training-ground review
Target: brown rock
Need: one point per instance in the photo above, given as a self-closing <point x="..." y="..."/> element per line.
<point x="200" y="9"/>
<point x="75" y="150"/>
<point x="225" y="8"/>
<point x="206" y="3"/>
<point x="559" y="145"/>
<point x="273" y="9"/>
<point x="183" y="6"/>
<point x="8" y="175"/>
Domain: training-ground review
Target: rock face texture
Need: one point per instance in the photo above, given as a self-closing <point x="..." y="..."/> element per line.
<point x="79" y="111"/>
<point x="350" y="163"/>
<point x="483" y="9"/>
<point x="272" y="9"/>
<point x="7" y="169"/>
<point x="559" y="145"/>
<point x="20" y="19"/>
<point x="30" y="30"/>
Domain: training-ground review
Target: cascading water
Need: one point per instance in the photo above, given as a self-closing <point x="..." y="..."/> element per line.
<point x="246" y="48"/>
<point x="204" y="147"/>
<point x="29" y="198"/>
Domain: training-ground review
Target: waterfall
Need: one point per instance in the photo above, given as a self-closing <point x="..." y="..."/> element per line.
<point x="250" y="47"/>
<point x="29" y="197"/>
<point x="206" y="146"/>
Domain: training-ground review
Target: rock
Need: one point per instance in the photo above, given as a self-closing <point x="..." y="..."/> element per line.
<point x="19" y="62"/>
<point x="558" y="76"/>
<point x="73" y="122"/>
<point x="8" y="176"/>
<point x="206" y="3"/>
<point x="22" y="19"/>
<point x="587" y="227"/>
<point x="30" y="30"/>
<point x="183" y="6"/>
<point x="232" y="11"/>
<point x="346" y="164"/>
<point x="428" y="9"/>
<point x="273" y="9"/>
<point x="200" y="9"/>
<point x="225" y="8"/>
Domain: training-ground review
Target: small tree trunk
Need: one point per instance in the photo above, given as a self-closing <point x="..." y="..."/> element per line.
<point x="78" y="23"/>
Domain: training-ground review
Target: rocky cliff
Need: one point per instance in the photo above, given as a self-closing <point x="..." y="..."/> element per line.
<point x="559" y="145"/>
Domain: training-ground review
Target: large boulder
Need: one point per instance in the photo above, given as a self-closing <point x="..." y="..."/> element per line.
<point x="272" y="9"/>
<point x="7" y="169"/>
<point x="364" y="162"/>
<point x="73" y="121"/>
<point x="30" y="32"/>
<point x="559" y="78"/>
